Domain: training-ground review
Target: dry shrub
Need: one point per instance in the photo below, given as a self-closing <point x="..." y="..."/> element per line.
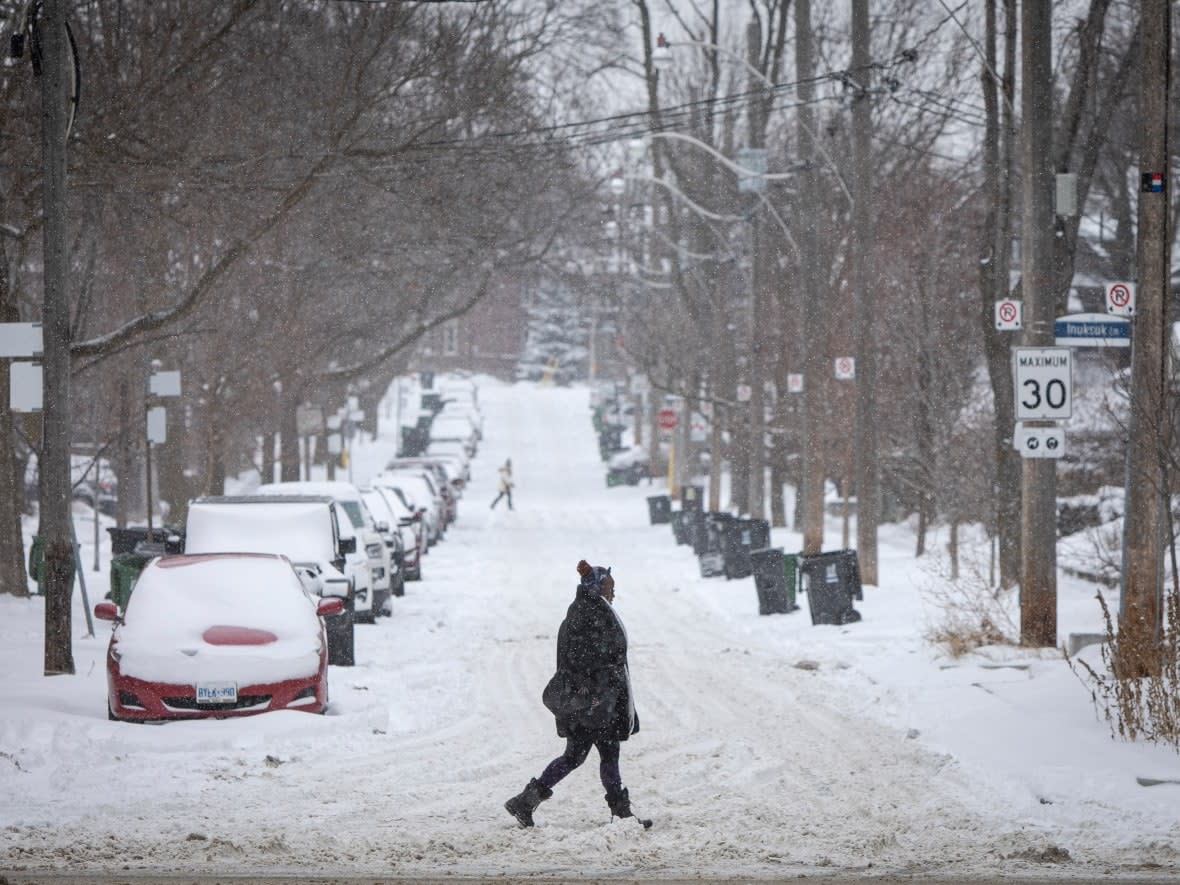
<point x="971" y="612"/>
<point x="1135" y="706"/>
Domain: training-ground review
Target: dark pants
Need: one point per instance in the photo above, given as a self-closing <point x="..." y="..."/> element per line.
<point x="496" y="500"/>
<point x="577" y="748"/>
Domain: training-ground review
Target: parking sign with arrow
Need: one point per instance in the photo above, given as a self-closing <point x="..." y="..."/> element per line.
<point x="1039" y="442"/>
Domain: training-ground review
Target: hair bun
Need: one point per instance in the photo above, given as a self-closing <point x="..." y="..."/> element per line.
<point x="584" y="568"/>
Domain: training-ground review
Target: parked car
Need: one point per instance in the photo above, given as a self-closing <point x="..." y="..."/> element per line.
<point x="453" y="452"/>
<point x="397" y="538"/>
<point x="454" y="428"/>
<point x="217" y="635"/>
<point x="307" y="529"/>
<point x="419" y="492"/>
<point x="369" y="540"/>
<point x="409" y="522"/>
<point x="440" y="473"/>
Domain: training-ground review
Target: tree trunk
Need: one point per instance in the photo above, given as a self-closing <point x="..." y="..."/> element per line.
<point x="1147" y="495"/>
<point x="868" y="480"/>
<point x="289" y="436"/>
<point x="55" y="510"/>
<point x="1038" y="566"/>
<point x="13" y="577"/>
<point x="124" y="462"/>
<point x="994" y="268"/>
<point x="811" y="491"/>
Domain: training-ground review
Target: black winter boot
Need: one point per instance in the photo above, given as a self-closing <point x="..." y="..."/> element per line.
<point x="620" y="803"/>
<point x="523" y="805"/>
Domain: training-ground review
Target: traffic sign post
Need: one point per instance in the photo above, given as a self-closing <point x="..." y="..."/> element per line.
<point x="1120" y="299"/>
<point x="1009" y="315"/>
<point x="845" y="367"/>
<point x="1044" y="383"/>
<point x="795" y="382"/>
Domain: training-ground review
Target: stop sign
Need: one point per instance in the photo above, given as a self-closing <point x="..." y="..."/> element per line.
<point x="667" y="419"/>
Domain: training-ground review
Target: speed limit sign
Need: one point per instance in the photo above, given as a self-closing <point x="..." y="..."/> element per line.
<point x="1044" y="383"/>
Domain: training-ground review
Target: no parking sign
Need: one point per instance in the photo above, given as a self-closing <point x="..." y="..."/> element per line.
<point x="1120" y="299"/>
<point x="1009" y="314"/>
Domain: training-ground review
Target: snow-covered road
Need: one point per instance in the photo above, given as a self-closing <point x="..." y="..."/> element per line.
<point x="751" y="764"/>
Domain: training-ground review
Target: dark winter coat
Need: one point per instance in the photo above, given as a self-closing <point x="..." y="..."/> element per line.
<point x="590" y="695"/>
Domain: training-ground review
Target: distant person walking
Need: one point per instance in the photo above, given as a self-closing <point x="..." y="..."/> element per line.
<point x="589" y="695"/>
<point x="505" y="484"/>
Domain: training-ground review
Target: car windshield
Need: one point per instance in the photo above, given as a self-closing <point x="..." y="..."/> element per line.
<point x="188" y="594"/>
<point x="355" y="514"/>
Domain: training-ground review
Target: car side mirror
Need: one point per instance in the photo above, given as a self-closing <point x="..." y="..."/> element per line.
<point x="106" y="611"/>
<point x="329" y="605"/>
<point x="347" y="545"/>
<point x="310" y="580"/>
<point x="335" y="590"/>
<point x="382" y="528"/>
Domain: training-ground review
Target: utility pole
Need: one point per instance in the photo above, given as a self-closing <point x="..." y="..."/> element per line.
<point x="868" y="480"/>
<point x="1038" y="517"/>
<point x="757" y="487"/>
<point x="1140" y="613"/>
<point x="56" y="518"/>
<point x="812" y="484"/>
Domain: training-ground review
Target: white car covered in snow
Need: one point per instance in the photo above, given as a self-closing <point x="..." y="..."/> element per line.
<point x="306" y="529"/>
<point x="369" y="540"/>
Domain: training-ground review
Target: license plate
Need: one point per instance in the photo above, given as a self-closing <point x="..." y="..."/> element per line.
<point x="217" y="693"/>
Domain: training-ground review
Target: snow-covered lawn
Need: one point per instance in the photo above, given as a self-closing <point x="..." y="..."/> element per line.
<point x="769" y="747"/>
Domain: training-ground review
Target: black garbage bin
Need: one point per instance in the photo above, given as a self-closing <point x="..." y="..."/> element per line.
<point x="759" y="533"/>
<point x="659" y="509"/>
<point x="741" y="537"/>
<point x="773" y="581"/>
<point x="713" y="537"/>
<point x="697" y="524"/>
<point x="124" y="540"/>
<point x="831" y="580"/>
<point x="681" y="526"/>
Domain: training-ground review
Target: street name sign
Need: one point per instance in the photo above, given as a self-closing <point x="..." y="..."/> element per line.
<point x="1044" y="383"/>
<point x="1092" y="330"/>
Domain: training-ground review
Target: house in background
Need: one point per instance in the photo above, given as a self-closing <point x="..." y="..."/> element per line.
<point x="487" y="339"/>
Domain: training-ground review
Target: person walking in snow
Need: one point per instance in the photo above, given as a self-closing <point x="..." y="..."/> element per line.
<point x="505" y="484"/>
<point x="589" y="695"/>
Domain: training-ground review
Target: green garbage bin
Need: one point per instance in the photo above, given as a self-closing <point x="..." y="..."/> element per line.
<point x="37" y="563"/>
<point x="125" y="570"/>
<point x="791" y="570"/>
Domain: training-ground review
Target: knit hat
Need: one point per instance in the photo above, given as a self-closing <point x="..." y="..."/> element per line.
<point x="592" y="575"/>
